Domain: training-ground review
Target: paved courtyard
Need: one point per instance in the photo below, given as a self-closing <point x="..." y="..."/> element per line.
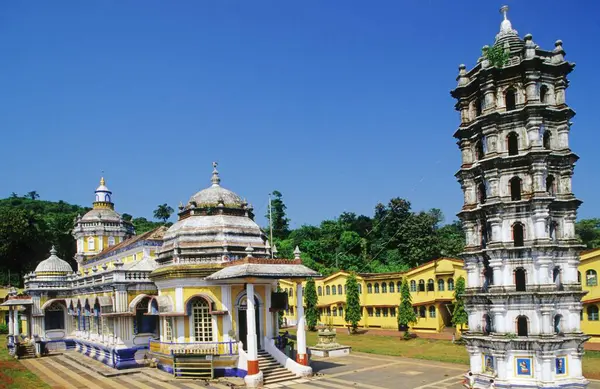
<point x="358" y="370"/>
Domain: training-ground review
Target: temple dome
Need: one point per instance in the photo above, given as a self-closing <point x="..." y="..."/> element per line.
<point x="102" y="214"/>
<point x="53" y="264"/>
<point x="216" y="194"/>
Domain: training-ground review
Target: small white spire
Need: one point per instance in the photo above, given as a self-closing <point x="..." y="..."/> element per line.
<point x="297" y="253"/>
<point x="506" y="25"/>
<point x="216" y="180"/>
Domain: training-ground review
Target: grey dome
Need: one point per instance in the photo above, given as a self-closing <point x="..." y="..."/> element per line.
<point x="216" y="194"/>
<point x="53" y="264"/>
<point x="105" y="214"/>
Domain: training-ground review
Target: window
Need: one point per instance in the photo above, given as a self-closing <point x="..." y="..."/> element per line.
<point x="550" y="188"/>
<point x="168" y="329"/>
<point x="341" y="311"/>
<point x="369" y="288"/>
<point x="339" y="289"/>
<point x="544" y="94"/>
<point x="334" y="311"/>
<point x="413" y="286"/>
<point x="398" y="286"/>
<point x="520" y="279"/>
<point x="391" y="287"/>
<point x="422" y="311"/>
<point x="393" y="312"/>
<point x="91" y="244"/>
<point x="333" y="290"/>
<point x="522" y="326"/>
<point x="512" y="141"/>
<point x="377" y="312"/>
<point x="510" y="98"/>
<point x="592" y="312"/>
<point x="370" y="312"/>
<point x="441" y="285"/>
<point x="547" y="139"/>
<point x="515" y="188"/>
<point x="579" y="277"/>
<point x="553" y="230"/>
<point x="54" y="317"/>
<point x="385" y="312"/>
<point x="359" y="289"/>
<point x="432" y="311"/>
<point x="376" y="287"/>
<point x="478" y="107"/>
<point x="479" y="154"/>
<point x="327" y="290"/>
<point x="328" y="311"/>
<point x="111" y="241"/>
<point x="481" y="193"/>
<point x="450" y="284"/>
<point x="320" y="291"/>
<point x="487" y="324"/>
<point x="518" y="235"/>
<point x="144" y="324"/>
<point x="557" y="324"/>
<point x="383" y="287"/>
<point x="421" y="286"/>
<point x="203" y="331"/>
<point x="591" y="278"/>
<point x="430" y="285"/>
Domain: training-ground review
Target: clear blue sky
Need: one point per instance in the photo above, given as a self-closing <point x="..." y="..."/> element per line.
<point x="337" y="104"/>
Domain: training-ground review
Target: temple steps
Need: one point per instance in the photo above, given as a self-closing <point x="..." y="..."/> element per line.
<point x="272" y="371"/>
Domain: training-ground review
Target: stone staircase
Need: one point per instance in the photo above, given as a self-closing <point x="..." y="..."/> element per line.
<point x="26" y="350"/>
<point x="273" y="372"/>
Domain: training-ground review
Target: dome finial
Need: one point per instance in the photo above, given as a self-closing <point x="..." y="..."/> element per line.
<point x="53" y="250"/>
<point x="215" y="175"/>
<point x="504" y="11"/>
<point x="102" y="182"/>
<point x="506" y="25"/>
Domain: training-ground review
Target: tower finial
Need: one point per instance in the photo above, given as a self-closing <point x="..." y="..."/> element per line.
<point x="102" y="182"/>
<point x="504" y="11"/>
<point x="506" y="25"/>
<point x="215" y="175"/>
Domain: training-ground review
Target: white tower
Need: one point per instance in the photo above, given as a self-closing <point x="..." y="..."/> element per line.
<point x="523" y="294"/>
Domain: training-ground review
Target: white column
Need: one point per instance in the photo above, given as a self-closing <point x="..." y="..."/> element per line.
<point x="268" y="315"/>
<point x="227" y="306"/>
<point x="301" y="356"/>
<point x="11" y="326"/>
<point x="16" y="320"/>
<point x="251" y="344"/>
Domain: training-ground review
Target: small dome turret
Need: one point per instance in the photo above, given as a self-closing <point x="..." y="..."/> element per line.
<point x="53" y="266"/>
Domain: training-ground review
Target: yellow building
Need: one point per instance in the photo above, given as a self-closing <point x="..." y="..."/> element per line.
<point x="588" y="276"/>
<point x="431" y="286"/>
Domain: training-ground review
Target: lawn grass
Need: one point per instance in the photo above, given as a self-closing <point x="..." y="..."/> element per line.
<point x="430" y="349"/>
<point x="13" y="375"/>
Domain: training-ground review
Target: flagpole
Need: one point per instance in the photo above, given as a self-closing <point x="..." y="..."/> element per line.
<point x="271" y="225"/>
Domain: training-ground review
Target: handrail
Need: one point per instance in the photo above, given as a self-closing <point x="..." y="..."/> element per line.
<point x="201" y="348"/>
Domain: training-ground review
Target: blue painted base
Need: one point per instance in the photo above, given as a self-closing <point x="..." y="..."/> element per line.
<point x="115" y="358"/>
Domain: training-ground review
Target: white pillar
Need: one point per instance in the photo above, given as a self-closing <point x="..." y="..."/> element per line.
<point x="11" y="326"/>
<point x="268" y="315"/>
<point x="16" y="320"/>
<point x="227" y="306"/>
<point x="301" y="356"/>
<point x="251" y="343"/>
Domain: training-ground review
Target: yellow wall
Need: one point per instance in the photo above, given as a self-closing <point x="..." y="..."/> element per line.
<point x="590" y="260"/>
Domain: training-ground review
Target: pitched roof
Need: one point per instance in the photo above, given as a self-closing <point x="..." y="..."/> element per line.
<point x="153" y="235"/>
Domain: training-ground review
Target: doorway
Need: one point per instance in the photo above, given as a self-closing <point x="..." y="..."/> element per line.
<point x="243" y="322"/>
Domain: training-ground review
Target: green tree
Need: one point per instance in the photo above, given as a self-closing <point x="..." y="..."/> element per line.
<point x="33" y="195"/>
<point x="127" y="217"/>
<point x="13" y="195"/>
<point x="588" y="230"/>
<point x="406" y="313"/>
<point x="163" y="212"/>
<point x="459" y="314"/>
<point x="281" y="224"/>
<point x="451" y="240"/>
<point x="353" y="312"/>
<point x="310" y="302"/>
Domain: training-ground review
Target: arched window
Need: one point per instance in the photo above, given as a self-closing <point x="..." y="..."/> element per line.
<point x="383" y="287"/>
<point x="333" y="290"/>
<point x="430" y="285"/>
<point x="54" y="317"/>
<point x="520" y="279"/>
<point x="478" y="107"/>
<point x="550" y="185"/>
<point x="479" y="154"/>
<point x="359" y="289"/>
<point x="422" y="311"/>
<point x="413" y="286"/>
<point x="510" y="97"/>
<point x="450" y="284"/>
<point x="369" y="288"/>
<point x="432" y="311"/>
<point x="143" y="323"/>
<point x="487" y="324"/>
<point x="421" y="285"/>
<point x="515" y="188"/>
<point x="546" y="140"/>
<point x="201" y="321"/>
<point x="339" y="289"/>
<point x="328" y="311"/>
<point x="398" y="286"/>
<point x="557" y="324"/>
<point x="481" y="193"/>
<point x="376" y="287"/>
<point x="327" y="290"/>
<point x="341" y="311"/>
<point x="553" y="230"/>
<point x="544" y="94"/>
<point x="334" y="311"/>
<point x="522" y="326"/>
<point x="512" y="142"/>
<point x="391" y="287"/>
<point x="441" y="285"/>
<point x="91" y="244"/>
<point x="518" y="235"/>
<point x="592" y="312"/>
<point x="556" y="275"/>
<point x="320" y="291"/>
<point x="591" y="278"/>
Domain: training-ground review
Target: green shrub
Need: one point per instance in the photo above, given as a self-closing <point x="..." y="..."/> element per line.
<point x="3" y="328"/>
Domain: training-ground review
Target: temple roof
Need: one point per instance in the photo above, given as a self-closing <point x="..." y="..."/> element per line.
<point x="264" y="270"/>
<point x="53" y="264"/>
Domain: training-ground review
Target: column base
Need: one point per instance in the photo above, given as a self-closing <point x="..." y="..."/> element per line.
<point x="302" y="359"/>
<point x="252" y="367"/>
<point x="254" y="380"/>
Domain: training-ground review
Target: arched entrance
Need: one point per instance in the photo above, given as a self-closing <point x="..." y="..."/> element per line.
<point x="243" y="324"/>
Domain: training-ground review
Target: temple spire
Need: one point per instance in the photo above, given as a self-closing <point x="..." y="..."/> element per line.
<point x="506" y="25"/>
<point x="215" y="175"/>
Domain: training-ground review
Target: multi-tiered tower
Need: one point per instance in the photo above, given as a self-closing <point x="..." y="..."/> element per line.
<point x="523" y="292"/>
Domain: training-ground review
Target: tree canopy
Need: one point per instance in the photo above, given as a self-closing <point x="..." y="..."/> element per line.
<point x="163" y="212"/>
<point x="311" y="300"/>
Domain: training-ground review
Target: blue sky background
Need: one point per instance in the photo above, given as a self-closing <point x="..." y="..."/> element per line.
<point x="337" y="104"/>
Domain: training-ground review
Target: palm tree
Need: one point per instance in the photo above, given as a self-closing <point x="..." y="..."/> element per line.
<point x="13" y="195"/>
<point x="32" y="195"/>
<point x="163" y="212"/>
